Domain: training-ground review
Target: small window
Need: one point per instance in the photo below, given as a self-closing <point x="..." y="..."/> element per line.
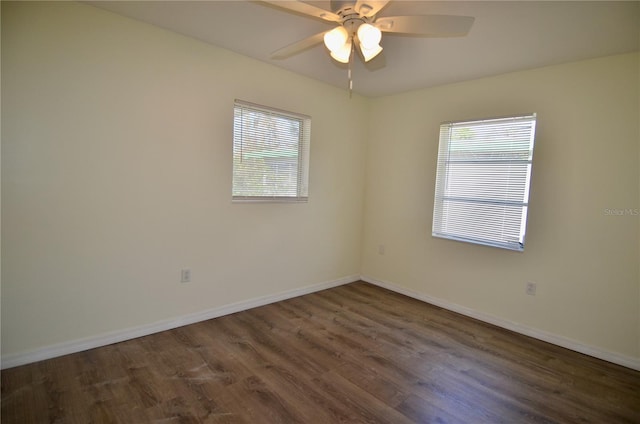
<point x="270" y="153"/>
<point x="482" y="182"/>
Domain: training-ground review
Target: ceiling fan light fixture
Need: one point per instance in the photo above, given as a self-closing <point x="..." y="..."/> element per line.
<point x="369" y="54"/>
<point x="369" y="36"/>
<point x="342" y="55"/>
<point x="336" y="39"/>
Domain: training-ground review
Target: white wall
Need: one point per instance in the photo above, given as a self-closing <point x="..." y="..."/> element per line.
<point x="584" y="261"/>
<point x="116" y="173"/>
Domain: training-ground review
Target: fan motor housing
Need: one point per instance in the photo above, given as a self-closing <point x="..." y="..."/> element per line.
<point x="351" y="20"/>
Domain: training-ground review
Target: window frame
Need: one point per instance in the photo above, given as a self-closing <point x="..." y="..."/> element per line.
<point x="303" y="153"/>
<point x="466" y="206"/>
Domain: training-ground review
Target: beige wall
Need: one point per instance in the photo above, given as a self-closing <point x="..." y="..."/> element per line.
<point x="116" y="173"/>
<point x="584" y="261"/>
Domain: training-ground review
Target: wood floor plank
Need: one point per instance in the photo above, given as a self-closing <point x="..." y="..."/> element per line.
<point x="351" y="354"/>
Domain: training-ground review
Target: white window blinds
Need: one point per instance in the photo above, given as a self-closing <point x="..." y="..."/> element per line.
<point x="482" y="182"/>
<point x="270" y="153"/>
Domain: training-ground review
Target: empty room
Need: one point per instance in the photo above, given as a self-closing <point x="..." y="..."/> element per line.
<point x="320" y="212"/>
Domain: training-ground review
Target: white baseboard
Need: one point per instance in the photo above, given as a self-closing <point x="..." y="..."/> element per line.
<point x="625" y="361"/>
<point x="79" y="345"/>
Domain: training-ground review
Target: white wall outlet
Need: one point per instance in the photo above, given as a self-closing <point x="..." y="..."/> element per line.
<point x="381" y="249"/>
<point x="530" y="288"/>
<point x="185" y="276"/>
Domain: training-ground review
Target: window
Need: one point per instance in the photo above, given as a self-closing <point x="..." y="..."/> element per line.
<point x="270" y="153"/>
<point x="482" y="182"/>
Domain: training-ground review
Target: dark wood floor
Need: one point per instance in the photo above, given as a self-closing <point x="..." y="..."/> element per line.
<point x="351" y="354"/>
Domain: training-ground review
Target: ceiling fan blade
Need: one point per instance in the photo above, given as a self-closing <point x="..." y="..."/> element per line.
<point x="298" y="46"/>
<point x="305" y="9"/>
<point x="369" y="8"/>
<point x="426" y="25"/>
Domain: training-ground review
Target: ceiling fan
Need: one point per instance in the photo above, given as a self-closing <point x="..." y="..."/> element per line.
<point x="359" y="25"/>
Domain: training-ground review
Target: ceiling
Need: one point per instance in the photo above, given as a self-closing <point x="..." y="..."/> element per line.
<point x="506" y="36"/>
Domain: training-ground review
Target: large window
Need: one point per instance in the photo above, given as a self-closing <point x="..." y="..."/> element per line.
<point x="482" y="182"/>
<point x="270" y="153"/>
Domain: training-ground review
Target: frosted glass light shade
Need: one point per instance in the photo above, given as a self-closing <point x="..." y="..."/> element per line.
<point x="369" y="54"/>
<point x="342" y="54"/>
<point x="369" y="36"/>
<point x="336" y="38"/>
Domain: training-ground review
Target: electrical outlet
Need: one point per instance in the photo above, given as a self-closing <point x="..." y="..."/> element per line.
<point x="185" y="276"/>
<point x="530" y="288"/>
<point x="381" y="249"/>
